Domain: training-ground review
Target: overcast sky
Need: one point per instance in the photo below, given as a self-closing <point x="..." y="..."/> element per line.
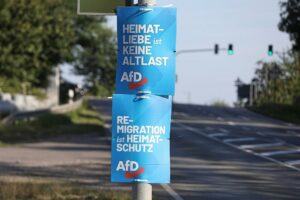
<point x="250" y="25"/>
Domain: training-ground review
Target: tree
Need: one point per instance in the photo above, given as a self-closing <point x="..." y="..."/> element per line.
<point x="279" y="82"/>
<point x="290" y="22"/>
<point x="96" y="51"/>
<point x="35" y="36"/>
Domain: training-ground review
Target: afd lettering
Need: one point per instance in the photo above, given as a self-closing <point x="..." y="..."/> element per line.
<point x="128" y="166"/>
<point x="131" y="77"/>
<point x="135" y="79"/>
<point x="131" y="169"/>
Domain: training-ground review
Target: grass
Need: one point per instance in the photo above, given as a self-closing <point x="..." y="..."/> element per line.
<point x="54" y="191"/>
<point x="287" y="113"/>
<point x="81" y="121"/>
<point x="220" y="103"/>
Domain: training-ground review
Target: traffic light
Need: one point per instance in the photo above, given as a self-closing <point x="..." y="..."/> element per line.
<point x="216" y="49"/>
<point x="230" y="49"/>
<point x="270" y="50"/>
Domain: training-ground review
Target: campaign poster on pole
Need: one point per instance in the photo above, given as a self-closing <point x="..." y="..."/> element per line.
<point x="146" y="50"/>
<point x="141" y="139"/>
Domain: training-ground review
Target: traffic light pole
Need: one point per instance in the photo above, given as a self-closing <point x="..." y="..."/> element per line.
<point x="185" y="51"/>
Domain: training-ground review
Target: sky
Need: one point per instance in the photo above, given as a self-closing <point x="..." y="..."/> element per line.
<point x="249" y="25"/>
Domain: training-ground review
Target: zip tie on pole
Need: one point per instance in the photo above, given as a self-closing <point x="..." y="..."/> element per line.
<point x="144" y="92"/>
<point x="143" y="95"/>
<point x="145" y="9"/>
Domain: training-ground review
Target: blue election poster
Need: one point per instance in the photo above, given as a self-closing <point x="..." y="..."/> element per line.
<point x="146" y="50"/>
<point x="140" y="139"/>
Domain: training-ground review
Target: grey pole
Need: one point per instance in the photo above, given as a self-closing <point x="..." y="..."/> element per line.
<point x="147" y="2"/>
<point x="251" y="94"/>
<point x="143" y="191"/>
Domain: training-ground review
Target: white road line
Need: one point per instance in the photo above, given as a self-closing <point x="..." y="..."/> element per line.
<point x="239" y="139"/>
<point x="172" y="192"/>
<point x="257" y="146"/>
<point x="274" y="153"/>
<point x="293" y="133"/>
<point x="217" y="134"/>
<point x="220" y="119"/>
<point x="183" y="114"/>
<point x="294" y="162"/>
<point x="231" y="123"/>
<point x="224" y="130"/>
<point x="236" y="147"/>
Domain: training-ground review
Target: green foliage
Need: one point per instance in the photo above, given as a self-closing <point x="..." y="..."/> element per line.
<point x="81" y="121"/>
<point x="279" y="82"/>
<point x="96" y="51"/>
<point x="12" y="86"/>
<point x="284" y="112"/>
<point x="35" y="36"/>
<point x="54" y="191"/>
<point x="220" y="103"/>
<point x="290" y="23"/>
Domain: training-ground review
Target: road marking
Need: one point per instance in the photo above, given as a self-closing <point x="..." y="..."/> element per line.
<point x="224" y="130"/>
<point x="294" y="162"/>
<point x="183" y="114"/>
<point x="172" y="192"/>
<point x="274" y="153"/>
<point x="257" y="146"/>
<point x="293" y="133"/>
<point x="239" y="140"/>
<point x="217" y="134"/>
<point x="220" y="119"/>
<point x="236" y="147"/>
<point x="290" y="124"/>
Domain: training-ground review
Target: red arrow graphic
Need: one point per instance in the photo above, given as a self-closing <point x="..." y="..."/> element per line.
<point x="133" y="86"/>
<point x="134" y="174"/>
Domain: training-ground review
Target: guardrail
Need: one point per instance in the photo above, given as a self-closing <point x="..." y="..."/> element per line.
<point x="29" y="115"/>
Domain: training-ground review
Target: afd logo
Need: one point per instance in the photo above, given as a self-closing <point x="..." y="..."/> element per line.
<point x="131" y="169"/>
<point x="135" y="79"/>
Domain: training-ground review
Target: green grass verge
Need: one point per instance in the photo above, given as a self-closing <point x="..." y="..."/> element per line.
<point x="80" y="121"/>
<point x="54" y="191"/>
<point x="287" y="113"/>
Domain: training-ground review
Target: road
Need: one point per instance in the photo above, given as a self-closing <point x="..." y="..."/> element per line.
<point x="216" y="154"/>
<point x="228" y="153"/>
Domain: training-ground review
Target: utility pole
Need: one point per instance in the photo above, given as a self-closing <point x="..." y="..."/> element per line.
<point x="147" y="2"/>
<point x="143" y="191"/>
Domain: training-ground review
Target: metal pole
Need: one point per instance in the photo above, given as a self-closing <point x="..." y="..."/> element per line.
<point x="143" y="191"/>
<point x="147" y="2"/>
<point x="251" y="94"/>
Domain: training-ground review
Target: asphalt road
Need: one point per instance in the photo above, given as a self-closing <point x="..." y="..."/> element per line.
<point x="228" y="153"/>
